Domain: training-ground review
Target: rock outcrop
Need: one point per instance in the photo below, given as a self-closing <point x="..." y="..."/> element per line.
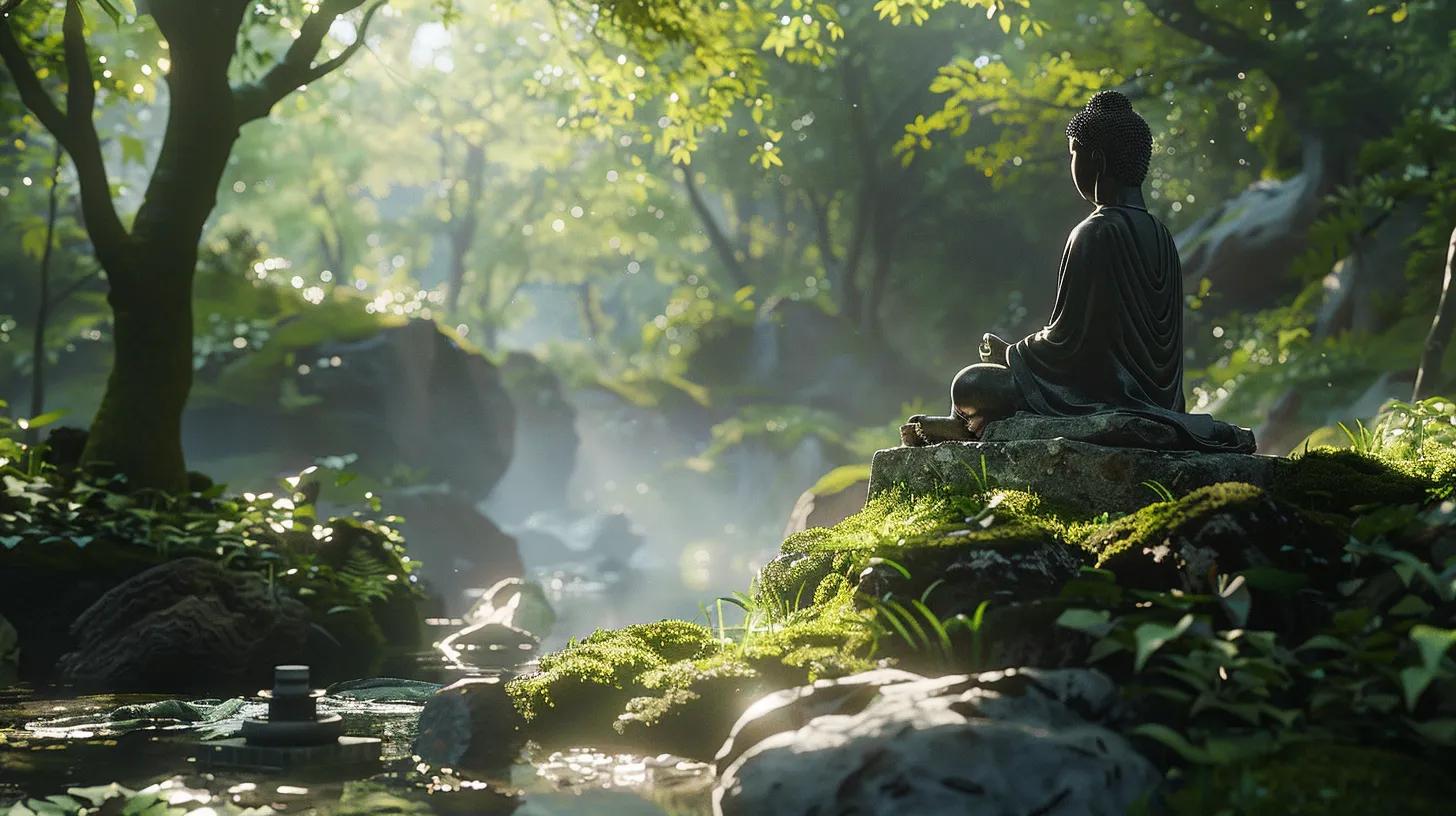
<point x="836" y="497"/>
<point x="1078" y="475"/>
<point x="407" y="396"/>
<point x="186" y="624"/>
<point x="1012" y="742"/>
<point x="458" y="547"/>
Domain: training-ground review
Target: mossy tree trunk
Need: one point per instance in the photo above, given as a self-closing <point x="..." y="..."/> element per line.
<point x="137" y="431"/>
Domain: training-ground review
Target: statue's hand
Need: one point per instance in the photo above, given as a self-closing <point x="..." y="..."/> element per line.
<point x="993" y="349"/>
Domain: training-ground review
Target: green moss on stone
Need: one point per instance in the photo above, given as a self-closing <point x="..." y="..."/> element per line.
<point x="673" y="686"/>
<point x="1153" y="524"/>
<point x="1337" y="481"/>
<point x="597" y="675"/>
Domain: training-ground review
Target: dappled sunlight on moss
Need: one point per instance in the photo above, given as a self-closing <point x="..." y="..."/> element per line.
<point x="1332" y="480"/>
<point x="675" y="685"/>
<point x="1153" y="524"/>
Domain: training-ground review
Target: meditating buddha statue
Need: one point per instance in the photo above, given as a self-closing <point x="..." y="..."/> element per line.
<point x="1115" y="338"/>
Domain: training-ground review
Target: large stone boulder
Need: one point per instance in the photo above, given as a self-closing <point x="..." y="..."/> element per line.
<point x="803" y="356"/>
<point x="406" y="397"/>
<point x="184" y="625"/>
<point x="1013" y="742"/>
<point x="1080" y="476"/>
<point x="834" y="498"/>
<point x="458" y="547"/>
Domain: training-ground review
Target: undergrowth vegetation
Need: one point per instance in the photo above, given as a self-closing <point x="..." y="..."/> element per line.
<point x="341" y="560"/>
<point x="1256" y="633"/>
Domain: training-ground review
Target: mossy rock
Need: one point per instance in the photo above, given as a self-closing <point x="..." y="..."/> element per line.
<point x="580" y="691"/>
<point x="923" y="534"/>
<point x="1340" y="481"/>
<point x="674" y="686"/>
<point x="1219" y="529"/>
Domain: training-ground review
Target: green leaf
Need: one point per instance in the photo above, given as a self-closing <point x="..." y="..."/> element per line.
<point x="111" y="10"/>
<point x="1432" y="642"/>
<point x="1151" y="637"/>
<point x="133" y="150"/>
<point x="1172" y="739"/>
<point x="45" y="419"/>
<point x="1270" y="579"/>
<point x="1092" y="621"/>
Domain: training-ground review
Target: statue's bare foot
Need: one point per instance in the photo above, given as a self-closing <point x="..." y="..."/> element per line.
<point x="928" y="430"/>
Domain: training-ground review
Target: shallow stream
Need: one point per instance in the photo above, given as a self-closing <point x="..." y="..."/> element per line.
<point x="59" y="751"/>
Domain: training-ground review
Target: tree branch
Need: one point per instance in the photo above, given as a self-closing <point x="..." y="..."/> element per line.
<point x="1442" y="326"/>
<point x="80" y="84"/>
<point x="108" y="236"/>
<point x="1185" y="17"/>
<point x="716" y="236"/>
<point x="73" y="129"/>
<point x="32" y="94"/>
<point x="296" y="68"/>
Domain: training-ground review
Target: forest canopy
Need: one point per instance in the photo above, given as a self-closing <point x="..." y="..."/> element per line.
<point x="663" y="170"/>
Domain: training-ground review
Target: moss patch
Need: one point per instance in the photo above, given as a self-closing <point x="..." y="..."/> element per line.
<point x="1337" y="481"/>
<point x="1155" y="523"/>
<point x="674" y="686"/>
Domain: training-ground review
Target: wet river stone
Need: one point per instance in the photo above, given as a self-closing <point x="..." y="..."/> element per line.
<point x="470" y="724"/>
<point x="887" y="743"/>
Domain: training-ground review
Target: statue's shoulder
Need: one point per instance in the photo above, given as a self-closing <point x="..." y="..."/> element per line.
<point x="1100" y="225"/>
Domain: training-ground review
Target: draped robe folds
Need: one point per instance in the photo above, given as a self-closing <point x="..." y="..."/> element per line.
<point x="1115" y="339"/>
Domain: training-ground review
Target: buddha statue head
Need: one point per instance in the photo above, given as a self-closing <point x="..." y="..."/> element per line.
<point x="1110" y="146"/>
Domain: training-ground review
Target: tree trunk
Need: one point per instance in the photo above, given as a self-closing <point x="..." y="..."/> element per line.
<point x="43" y="304"/>
<point x="1441" y="328"/>
<point x="138" y="428"/>
<point x="463" y="224"/>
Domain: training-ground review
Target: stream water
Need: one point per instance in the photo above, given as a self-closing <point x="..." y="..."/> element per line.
<point x="58" y="744"/>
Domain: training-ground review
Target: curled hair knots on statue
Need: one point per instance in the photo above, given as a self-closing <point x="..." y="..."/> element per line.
<point x="1110" y="125"/>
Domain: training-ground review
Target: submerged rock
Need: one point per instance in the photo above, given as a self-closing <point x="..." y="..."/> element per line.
<point x="1077" y="475"/>
<point x="490" y="644"/>
<point x="185" y="624"/>
<point x="1013" y="742"/>
<point x="470" y="724"/>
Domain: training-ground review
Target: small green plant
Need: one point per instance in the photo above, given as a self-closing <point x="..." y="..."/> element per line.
<point x="1160" y="490"/>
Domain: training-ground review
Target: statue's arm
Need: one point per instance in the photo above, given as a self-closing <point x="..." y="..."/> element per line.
<point x="1078" y="310"/>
